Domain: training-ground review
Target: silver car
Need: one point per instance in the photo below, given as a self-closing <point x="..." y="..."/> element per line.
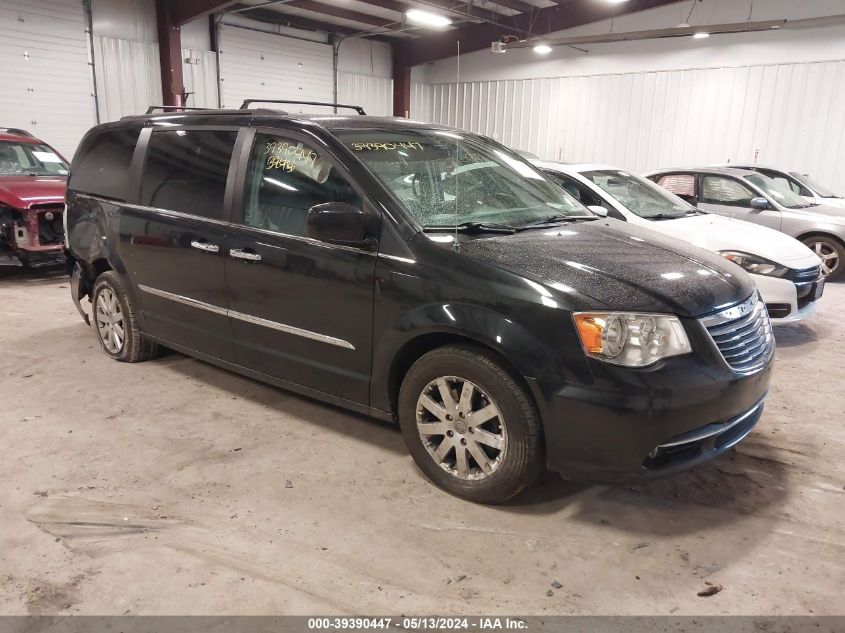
<point x="802" y="184"/>
<point x="749" y="195"/>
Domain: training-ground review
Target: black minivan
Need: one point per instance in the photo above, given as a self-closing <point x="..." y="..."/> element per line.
<point x="418" y="273"/>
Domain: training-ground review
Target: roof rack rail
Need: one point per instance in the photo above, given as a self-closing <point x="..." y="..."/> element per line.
<point x="17" y="131"/>
<point x="165" y="108"/>
<point x="357" y="108"/>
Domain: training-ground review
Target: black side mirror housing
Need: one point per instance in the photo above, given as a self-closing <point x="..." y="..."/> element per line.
<point x="759" y="203"/>
<point x="339" y="223"/>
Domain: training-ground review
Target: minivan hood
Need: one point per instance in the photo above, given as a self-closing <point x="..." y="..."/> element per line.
<point x="624" y="267"/>
<point x="22" y="192"/>
<point x="717" y="233"/>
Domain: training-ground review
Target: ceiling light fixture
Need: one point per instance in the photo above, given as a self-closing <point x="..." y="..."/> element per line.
<point x="426" y="18"/>
<point x="701" y="35"/>
<point x="542" y="49"/>
<point x="615" y="1"/>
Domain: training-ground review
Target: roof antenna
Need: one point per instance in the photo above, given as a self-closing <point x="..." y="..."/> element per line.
<point x="457" y="172"/>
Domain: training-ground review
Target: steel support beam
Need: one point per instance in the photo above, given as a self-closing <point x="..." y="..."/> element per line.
<point x="401" y="81"/>
<point x="170" y="54"/>
<point x="477" y="37"/>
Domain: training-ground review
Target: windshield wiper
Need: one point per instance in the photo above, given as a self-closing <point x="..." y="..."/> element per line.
<point x="555" y="219"/>
<point x="665" y="216"/>
<point x="475" y="227"/>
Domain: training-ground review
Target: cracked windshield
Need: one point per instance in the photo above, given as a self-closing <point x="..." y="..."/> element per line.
<point x="444" y="179"/>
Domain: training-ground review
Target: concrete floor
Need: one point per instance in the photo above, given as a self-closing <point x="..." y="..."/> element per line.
<point x="175" y="487"/>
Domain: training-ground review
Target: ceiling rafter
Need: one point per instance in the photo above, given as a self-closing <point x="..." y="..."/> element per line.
<point x="475" y="37"/>
<point x="339" y="12"/>
<point x="297" y="21"/>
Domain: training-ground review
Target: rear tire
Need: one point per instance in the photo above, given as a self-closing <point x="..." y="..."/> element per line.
<point x="831" y="251"/>
<point x="470" y="426"/>
<point x="114" y="323"/>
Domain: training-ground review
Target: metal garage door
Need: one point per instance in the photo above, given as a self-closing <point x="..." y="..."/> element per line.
<point x="263" y="65"/>
<point x="46" y="80"/>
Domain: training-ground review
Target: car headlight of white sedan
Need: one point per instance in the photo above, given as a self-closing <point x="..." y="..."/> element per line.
<point x="755" y="264"/>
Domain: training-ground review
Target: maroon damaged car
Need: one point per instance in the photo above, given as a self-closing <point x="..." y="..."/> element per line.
<point x="33" y="177"/>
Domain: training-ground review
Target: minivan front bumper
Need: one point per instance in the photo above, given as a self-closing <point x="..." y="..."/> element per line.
<point x="630" y="424"/>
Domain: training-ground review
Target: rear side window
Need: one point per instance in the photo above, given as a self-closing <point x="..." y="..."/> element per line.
<point x="101" y="167"/>
<point x="682" y="185"/>
<point x="186" y="170"/>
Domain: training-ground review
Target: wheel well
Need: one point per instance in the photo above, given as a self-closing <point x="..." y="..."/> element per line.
<point x="829" y="236"/>
<point x="93" y="270"/>
<point x="418" y="347"/>
<point x="98" y="267"/>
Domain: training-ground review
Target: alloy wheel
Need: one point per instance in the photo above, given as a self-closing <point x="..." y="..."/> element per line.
<point x="461" y="428"/>
<point x="828" y="255"/>
<point x="109" y="319"/>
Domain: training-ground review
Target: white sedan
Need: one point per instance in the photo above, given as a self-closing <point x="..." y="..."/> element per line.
<point x="787" y="273"/>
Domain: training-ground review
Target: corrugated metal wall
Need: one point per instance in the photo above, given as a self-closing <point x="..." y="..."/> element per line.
<point x="199" y="76"/>
<point x="422" y="101"/>
<point x="45" y="80"/>
<point x="128" y="76"/>
<point x="264" y="65"/>
<point x="375" y="94"/>
<point x="784" y="114"/>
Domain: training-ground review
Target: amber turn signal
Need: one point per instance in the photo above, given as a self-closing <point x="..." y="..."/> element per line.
<point x="590" y="329"/>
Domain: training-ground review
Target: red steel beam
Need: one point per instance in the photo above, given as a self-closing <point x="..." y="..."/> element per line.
<point x="401" y="81"/>
<point x="170" y="54"/>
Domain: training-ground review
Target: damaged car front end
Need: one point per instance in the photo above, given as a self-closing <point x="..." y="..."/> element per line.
<point x="33" y="179"/>
<point x="31" y="237"/>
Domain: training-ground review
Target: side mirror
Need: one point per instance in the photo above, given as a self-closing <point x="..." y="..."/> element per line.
<point x="599" y="211"/>
<point x="759" y="203"/>
<point x="338" y="223"/>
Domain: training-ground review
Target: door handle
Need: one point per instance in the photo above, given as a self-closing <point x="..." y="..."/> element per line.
<point x="205" y="246"/>
<point x="238" y="253"/>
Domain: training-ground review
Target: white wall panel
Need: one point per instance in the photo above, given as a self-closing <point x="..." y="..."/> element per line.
<point x="422" y="101"/>
<point x="375" y="94"/>
<point x="128" y="76"/>
<point x="199" y="77"/>
<point x="45" y="76"/>
<point x="263" y="65"/>
<point x="125" y="19"/>
<point x="789" y="115"/>
<point x="363" y="56"/>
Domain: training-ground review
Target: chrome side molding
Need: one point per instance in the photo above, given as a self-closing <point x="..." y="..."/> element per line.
<point x="248" y="318"/>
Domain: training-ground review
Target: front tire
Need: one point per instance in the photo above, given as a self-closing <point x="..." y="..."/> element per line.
<point x="469" y="425"/>
<point x="114" y="322"/>
<point x="830" y="251"/>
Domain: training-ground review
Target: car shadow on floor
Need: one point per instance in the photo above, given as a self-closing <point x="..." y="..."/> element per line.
<point x="734" y="485"/>
<point x="20" y="276"/>
<point x="794" y="335"/>
<point x="751" y="480"/>
<point x="287" y="403"/>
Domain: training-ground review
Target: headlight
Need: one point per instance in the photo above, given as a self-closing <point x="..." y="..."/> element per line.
<point x="631" y="339"/>
<point x="754" y="264"/>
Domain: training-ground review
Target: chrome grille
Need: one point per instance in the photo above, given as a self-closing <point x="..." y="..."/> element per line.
<point x="743" y="335"/>
<point x="806" y="275"/>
